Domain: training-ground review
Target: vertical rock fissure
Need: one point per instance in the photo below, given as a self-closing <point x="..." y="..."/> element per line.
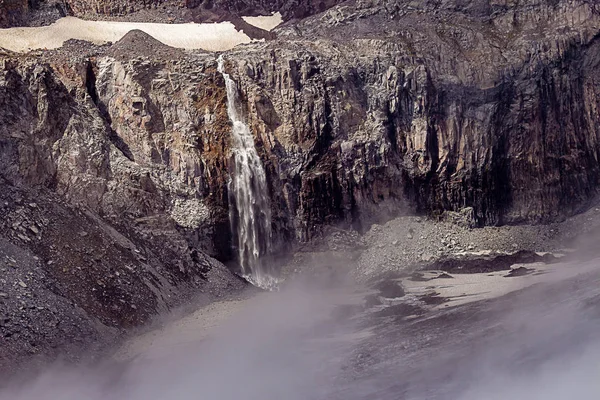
<point x="249" y="208"/>
<point x="92" y="91"/>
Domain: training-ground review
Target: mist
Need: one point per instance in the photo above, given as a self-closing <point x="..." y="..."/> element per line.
<point x="552" y="352"/>
<point x="276" y="348"/>
<point x="538" y="343"/>
<point x="573" y="376"/>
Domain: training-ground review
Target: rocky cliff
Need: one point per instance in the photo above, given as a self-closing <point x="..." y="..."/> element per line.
<point x="362" y="112"/>
<point x="489" y="106"/>
<point x="112" y="192"/>
<point x="486" y="106"/>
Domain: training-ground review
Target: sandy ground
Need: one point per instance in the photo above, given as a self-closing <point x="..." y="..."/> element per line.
<point x="213" y="37"/>
<point x="181" y="332"/>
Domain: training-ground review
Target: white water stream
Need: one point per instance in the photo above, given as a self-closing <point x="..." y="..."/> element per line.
<point x="250" y="211"/>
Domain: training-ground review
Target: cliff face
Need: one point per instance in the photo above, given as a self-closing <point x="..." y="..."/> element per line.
<point x="491" y="106"/>
<point x="128" y="139"/>
<point x="288" y="9"/>
<point x="112" y="7"/>
<point x="112" y="192"/>
<point x="365" y="111"/>
<point x="494" y="108"/>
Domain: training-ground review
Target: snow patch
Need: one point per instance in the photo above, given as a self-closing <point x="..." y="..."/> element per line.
<point x="268" y="22"/>
<point x="213" y="37"/>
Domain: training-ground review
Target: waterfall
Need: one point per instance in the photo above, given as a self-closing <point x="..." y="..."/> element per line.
<point x="249" y="208"/>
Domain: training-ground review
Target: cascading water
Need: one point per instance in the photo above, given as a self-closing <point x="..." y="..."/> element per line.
<point x="250" y="212"/>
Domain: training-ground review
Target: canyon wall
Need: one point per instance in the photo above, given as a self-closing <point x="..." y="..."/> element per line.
<point x="497" y="116"/>
<point x="360" y="113"/>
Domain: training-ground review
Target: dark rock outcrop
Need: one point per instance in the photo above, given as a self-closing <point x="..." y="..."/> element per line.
<point x="31" y="12"/>
<point x="11" y="12"/>
<point x="492" y="108"/>
<point x="289" y="9"/>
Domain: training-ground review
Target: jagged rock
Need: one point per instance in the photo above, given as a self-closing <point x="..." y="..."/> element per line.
<point x="31" y="12"/>
<point x="463" y="217"/>
<point x="390" y="289"/>
<point x="351" y="129"/>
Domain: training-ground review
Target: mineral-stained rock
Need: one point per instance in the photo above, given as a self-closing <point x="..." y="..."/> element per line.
<point x="130" y="187"/>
